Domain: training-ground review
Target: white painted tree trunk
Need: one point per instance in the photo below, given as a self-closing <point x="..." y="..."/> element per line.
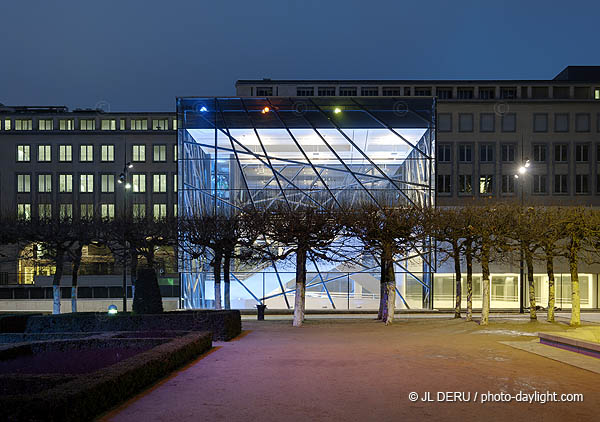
<point x="56" y="300"/>
<point x="299" y="300"/>
<point x="391" y="301"/>
<point x="469" y="258"/>
<point x="532" y="304"/>
<point x="458" y="277"/>
<point x="217" y="277"/>
<point x="74" y="299"/>
<point x="551" y="293"/>
<point x="485" y="287"/>
<point x="575" y="298"/>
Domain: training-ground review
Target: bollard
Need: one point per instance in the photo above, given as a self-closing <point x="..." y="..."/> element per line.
<point x="261" y="312"/>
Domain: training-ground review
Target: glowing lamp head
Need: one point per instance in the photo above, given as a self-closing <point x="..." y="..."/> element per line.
<point x="522" y="170"/>
<point x="127" y="185"/>
<point x="203" y="109"/>
<point x="112" y="310"/>
<point x="265" y="110"/>
<point x="337" y="110"/>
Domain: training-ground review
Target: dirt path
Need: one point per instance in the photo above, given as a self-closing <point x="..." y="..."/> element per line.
<point x="359" y="370"/>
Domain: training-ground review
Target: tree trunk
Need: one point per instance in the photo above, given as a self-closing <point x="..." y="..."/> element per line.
<point x="532" y="305"/>
<point x="575" y="299"/>
<point x="299" y="300"/>
<point x="60" y="256"/>
<point x="485" y="285"/>
<point x="387" y="265"/>
<point x="74" y="277"/>
<point x="133" y="273"/>
<point x="382" y="289"/>
<point x="217" y="277"/>
<point x="469" y="257"/>
<point x="390" y="294"/>
<point x="226" y="280"/>
<point x="456" y="256"/>
<point x="550" y="271"/>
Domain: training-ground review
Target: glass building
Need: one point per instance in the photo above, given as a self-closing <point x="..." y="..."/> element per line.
<point x="318" y="151"/>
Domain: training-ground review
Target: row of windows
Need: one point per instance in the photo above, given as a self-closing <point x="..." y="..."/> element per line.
<point x="540" y="153"/>
<point x="44" y="124"/>
<point x="86" y="183"/>
<point x="538" y="184"/>
<point x="446" y="93"/>
<point x="106" y="210"/>
<point x="86" y="153"/>
<point x="508" y="122"/>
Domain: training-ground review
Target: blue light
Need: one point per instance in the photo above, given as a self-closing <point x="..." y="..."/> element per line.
<point x="112" y="310"/>
<point x="203" y="109"/>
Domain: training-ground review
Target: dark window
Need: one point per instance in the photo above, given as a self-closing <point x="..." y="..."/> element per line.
<point x="326" y="91"/>
<point x="486" y="153"/>
<point x="560" y="183"/>
<point x="443" y="183"/>
<point x="561" y="153"/>
<point x="465" y="122"/>
<point x="561" y="122"/>
<point x="391" y="91"/>
<point x="423" y="92"/>
<point x="262" y="91"/>
<point x="464" y="184"/>
<point x="508" y="153"/>
<point x="508" y="93"/>
<point x="444" y="123"/>
<point x="508" y="183"/>
<point x="561" y="92"/>
<point x="487" y="93"/>
<point x="305" y="91"/>
<point x="540" y="122"/>
<point x="487" y="122"/>
<point x="582" y="153"/>
<point x="581" y="183"/>
<point x="347" y="92"/>
<point x="444" y="153"/>
<point x="539" y="153"/>
<point x="464" y="153"/>
<point x="369" y="92"/>
<point x="539" y="92"/>
<point x="464" y="93"/>
<point x="509" y="122"/>
<point x="582" y="122"/>
<point x="444" y="93"/>
<point x="539" y="183"/>
<point x="407" y="91"/>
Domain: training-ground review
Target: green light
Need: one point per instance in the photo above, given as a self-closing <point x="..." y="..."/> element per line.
<point x="337" y="110"/>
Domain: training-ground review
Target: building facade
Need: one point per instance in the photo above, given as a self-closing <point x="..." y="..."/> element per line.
<point x="486" y="130"/>
<point x="61" y="163"/>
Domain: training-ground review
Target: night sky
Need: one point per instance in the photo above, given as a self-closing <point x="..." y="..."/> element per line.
<point x="139" y="55"/>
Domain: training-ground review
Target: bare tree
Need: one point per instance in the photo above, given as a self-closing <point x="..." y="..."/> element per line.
<point x="386" y="233"/>
<point x="84" y="232"/>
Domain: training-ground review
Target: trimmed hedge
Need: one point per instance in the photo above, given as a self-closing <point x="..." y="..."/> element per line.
<point x="14" y="323"/>
<point x="224" y="324"/>
<point x="89" y="395"/>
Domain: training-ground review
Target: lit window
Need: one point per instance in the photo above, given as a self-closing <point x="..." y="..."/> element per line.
<point x="597" y="94"/>
<point x="23" y="124"/>
<point x="107" y="153"/>
<point x="107" y="182"/>
<point x="139" y="183"/>
<point x="44" y="153"/>
<point x="139" y="210"/>
<point x="159" y="211"/>
<point x="24" y="211"/>
<point x="87" y="211"/>
<point x="486" y="186"/>
<point x="139" y="124"/>
<point x="66" y="211"/>
<point x="159" y="183"/>
<point x="174" y="124"/>
<point x="174" y="183"/>
<point x="23" y="183"/>
<point x="45" y="124"/>
<point x="66" y="124"/>
<point x="139" y="153"/>
<point x="86" y="183"/>
<point x="23" y="153"/>
<point x="160" y="124"/>
<point x="65" y="183"/>
<point x="65" y="153"/>
<point x="7" y="124"/>
<point x="175" y="151"/>
<point x="108" y="124"/>
<point x="87" y="124"/>
<point x="107" y="211"/>
<point x="159" y="153"/>
<point x="122" y="124"/>
<point x="174" y="210"/>
<point x="86" y="153"/>
<point x="44" y="183"/>
<point x="45" y="210"/>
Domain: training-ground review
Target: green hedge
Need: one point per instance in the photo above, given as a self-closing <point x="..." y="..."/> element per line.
<point x="89" y="395"/>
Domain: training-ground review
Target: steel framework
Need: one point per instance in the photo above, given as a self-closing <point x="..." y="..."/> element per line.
<point x="318" y="151"/>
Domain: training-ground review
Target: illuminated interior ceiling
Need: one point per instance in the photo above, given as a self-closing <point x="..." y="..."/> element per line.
<point x="319" y="151"/>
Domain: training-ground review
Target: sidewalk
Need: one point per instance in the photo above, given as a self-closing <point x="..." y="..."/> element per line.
<point x="360" y="370"/>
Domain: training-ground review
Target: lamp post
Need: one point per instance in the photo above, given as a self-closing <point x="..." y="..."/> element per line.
<point x="126" y="187"/>
<point x="521" y="175"/>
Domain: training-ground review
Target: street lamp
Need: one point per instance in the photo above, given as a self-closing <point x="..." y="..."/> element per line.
<point x="127" y="186"/>
<point x="522" y="171"/>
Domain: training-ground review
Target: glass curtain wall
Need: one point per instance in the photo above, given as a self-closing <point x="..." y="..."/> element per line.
<point x="329" y="151"/>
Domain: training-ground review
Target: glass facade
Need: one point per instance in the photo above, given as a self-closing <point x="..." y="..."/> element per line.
<point x="321" y="151"/>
